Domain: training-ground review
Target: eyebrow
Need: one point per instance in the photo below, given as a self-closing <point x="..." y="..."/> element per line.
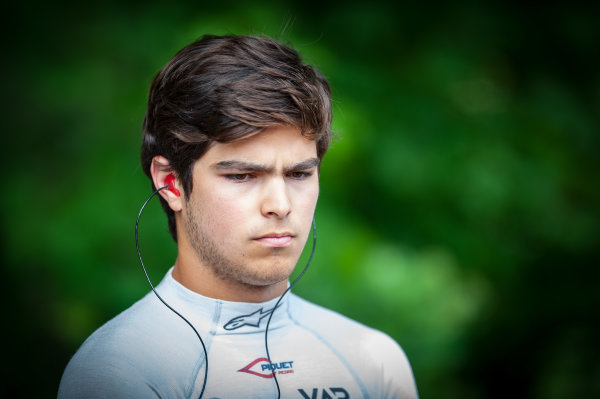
<point x="256" y="167"/>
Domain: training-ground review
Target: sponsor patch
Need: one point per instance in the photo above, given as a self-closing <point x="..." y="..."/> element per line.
<point x="331" y="393"/>
<point x="262" y="368"/>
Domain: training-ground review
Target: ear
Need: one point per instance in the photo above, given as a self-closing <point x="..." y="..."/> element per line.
<point x="160" y="169"/>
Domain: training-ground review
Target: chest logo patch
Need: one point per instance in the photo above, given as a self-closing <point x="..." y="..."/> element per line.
<point x="331" y="393"/>
<point x="262" y="368"/>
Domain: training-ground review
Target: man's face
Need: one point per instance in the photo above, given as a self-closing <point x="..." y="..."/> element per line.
<point x="251" y="207"/>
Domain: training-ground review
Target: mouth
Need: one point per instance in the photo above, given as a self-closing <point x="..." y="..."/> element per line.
<point x="275" y="239"/>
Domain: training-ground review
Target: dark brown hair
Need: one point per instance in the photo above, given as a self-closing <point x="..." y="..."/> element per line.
<point x="224" y="88"/>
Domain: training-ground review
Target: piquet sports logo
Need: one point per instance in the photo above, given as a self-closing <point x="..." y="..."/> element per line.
<point x="262" y="368"/>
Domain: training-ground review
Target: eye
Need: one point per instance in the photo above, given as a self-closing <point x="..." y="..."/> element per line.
<point x="299" y="175"/>
<point x="239" y="177"/>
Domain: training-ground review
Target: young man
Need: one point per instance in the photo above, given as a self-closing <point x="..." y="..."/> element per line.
<point x="236" y="128"/>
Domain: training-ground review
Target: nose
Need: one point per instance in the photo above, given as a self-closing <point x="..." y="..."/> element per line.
<point x="276" y="199"/>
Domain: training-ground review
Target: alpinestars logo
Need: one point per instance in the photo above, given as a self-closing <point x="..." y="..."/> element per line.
<point x="252" y="319"/>
<point x="262" y="368"/>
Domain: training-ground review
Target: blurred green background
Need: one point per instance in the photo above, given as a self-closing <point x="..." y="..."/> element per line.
<point x="459" y="210"/>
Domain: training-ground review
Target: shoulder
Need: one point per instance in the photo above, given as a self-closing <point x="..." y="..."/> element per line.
<point x="329" y="323"/>
<point x="95" y="368"/>
<point x="374" y="355"/>
<point x="120" y="358"/>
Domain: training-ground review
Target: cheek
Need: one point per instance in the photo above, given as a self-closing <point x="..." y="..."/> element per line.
<point x="305" y="205"/>
<point x="308" y="200"/>
<point x="225" y="216"/>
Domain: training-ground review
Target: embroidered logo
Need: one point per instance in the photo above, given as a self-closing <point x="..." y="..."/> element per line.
<point x="252" y="319"/>
<point x="266" y="368"/>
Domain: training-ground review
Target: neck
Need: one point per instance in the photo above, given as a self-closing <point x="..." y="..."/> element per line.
<point x="199" y="278"/>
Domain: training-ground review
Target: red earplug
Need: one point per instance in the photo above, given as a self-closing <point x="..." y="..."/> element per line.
<point x="170" y="181"/>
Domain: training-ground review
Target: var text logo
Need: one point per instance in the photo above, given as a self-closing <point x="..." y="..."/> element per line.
<point x="331" y="393"/>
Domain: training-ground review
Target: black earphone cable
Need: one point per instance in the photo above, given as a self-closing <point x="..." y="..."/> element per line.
<point x="314" y="226"/>
<point x="137" y="246"/>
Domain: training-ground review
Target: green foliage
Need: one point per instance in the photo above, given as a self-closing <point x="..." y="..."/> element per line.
<point x="459" y="207"/>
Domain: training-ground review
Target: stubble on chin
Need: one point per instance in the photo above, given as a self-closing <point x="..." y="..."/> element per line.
<point x="213" y="256"/>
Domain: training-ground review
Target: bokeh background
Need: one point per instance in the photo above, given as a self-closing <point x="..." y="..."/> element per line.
<point x="459" y="210"/>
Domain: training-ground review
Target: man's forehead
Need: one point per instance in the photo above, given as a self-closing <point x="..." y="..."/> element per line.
<point x="281" y="145"/>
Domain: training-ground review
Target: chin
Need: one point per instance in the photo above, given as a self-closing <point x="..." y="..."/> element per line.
<point x="270" y="274"/>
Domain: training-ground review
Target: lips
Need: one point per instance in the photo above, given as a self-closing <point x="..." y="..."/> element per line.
<point x="276" y="239"/>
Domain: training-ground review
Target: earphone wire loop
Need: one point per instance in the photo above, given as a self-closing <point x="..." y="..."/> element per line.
<point x="314" y="229"/>
<point x="137" y="246"/>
